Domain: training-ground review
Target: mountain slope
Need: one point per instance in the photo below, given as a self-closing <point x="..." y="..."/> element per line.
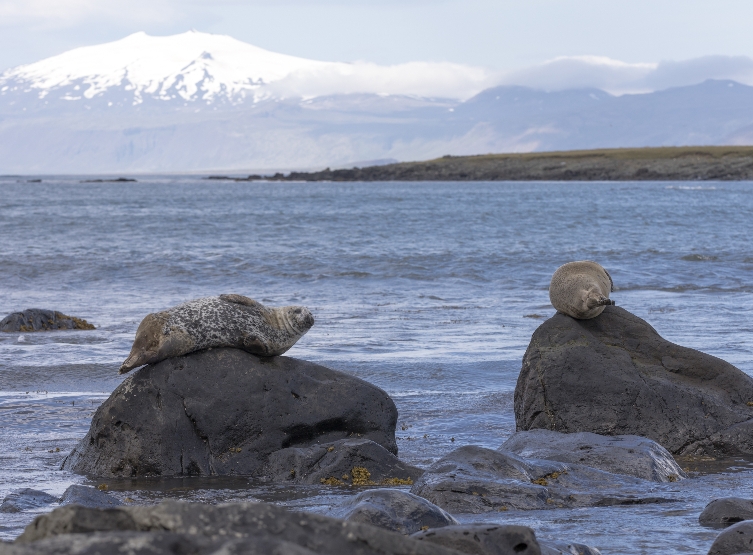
<point x="199" y="102"/>
<point x="196" y="67"/>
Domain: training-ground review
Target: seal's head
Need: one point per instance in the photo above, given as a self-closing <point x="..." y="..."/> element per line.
<point x="153" y="343"/>
<point x="581" y="289"/>
<point x="297" y="319"/>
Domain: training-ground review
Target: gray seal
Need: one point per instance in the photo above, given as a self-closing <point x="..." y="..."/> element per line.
<point x="581" y="289"/>
<point x="224" y="321"/>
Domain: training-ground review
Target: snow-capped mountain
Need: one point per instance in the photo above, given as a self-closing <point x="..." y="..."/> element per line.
<point x="201" y="102"/>
<point x="193" y="66"/>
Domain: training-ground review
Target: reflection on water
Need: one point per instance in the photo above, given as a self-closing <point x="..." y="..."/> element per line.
<point x="428" y="290"/>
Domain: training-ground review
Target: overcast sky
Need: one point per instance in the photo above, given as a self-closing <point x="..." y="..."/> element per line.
<point x="499" y="34"/>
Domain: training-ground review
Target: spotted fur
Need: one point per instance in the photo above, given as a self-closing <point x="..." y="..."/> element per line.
<point x="224" y="321"/>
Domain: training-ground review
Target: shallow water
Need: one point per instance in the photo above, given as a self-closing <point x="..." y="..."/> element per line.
<point x="428" y="290"/>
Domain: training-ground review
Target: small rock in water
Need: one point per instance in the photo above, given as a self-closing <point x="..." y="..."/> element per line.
<point x="37" y="319"/>
<point x="564" y="548"/>
<point x="394" y="510"/>
<point x="355" y="462"/>
<point x="737" y="539"/>
<point x="615" y="375"/>
<point x="721" y="513"/>
<point x="88" y="497"/>
<point x="25" y="499"/>
<point x="484" y="539"/>
<point x="473" y="479"/>
<point x="630" y="455"/>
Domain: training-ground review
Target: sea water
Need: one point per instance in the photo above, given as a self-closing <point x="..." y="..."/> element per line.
<point x="429" y="290"/>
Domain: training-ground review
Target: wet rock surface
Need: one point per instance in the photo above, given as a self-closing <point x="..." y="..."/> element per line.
<point x="395" y="510"/>
<point x="37" y="319"/>
<point x="200" y="528"/>
<point x="484" y="539"/>
<point x="721" y="513"/>
<point x="359" y="462"/>
<point x="88" y="497"/>
<point x="738" y="538"/>
<point x="225" y="411"/>
<point x="25" y="499"/>
<point x="473" y="479"/>
<point x="625" y="454"/>
<point x="615" y="375"/>
<point x="564" y="548"/>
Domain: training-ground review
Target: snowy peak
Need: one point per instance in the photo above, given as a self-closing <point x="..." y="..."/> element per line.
<point x="191" y="66"/>
<point x="195" y="66"/>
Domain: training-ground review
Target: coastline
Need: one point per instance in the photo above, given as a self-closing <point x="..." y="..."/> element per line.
<point x="707" y="163"/>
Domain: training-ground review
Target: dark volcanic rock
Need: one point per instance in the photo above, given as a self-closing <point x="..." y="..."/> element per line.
<point x="26" y="499"/>
<point x="721" y="513"/>
<point x="394" y="510"/>
<point x="37" y="319"/>
<point x="359" y="462"/>
<point x="224" y="411"/>
<point x="473" y="479"/>
<point x="88" y="497"/>
<point x="154" y="543"/>
<point x="615" y="375"/>
<point x="259" y="524"/>
<point x="738" y="538"/>
<point x="484" y="539"/>
<point x="631" y="455"/>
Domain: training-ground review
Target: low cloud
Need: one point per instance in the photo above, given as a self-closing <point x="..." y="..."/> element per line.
<point x="423" y="79"/>
<point x="618" y="77"/>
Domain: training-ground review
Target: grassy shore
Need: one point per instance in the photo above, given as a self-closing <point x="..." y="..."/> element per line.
<point x="732" y="163"/>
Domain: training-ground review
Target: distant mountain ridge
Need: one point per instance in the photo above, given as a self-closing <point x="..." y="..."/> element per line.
<point x="198" y="102"/>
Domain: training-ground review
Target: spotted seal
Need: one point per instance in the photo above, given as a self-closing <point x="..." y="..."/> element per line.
<point x="581" y="289"/>
<point x="224" y="321"/>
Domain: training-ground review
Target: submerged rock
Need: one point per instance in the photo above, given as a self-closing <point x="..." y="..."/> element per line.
<point x="356" y="462"/>
<point x="473" y="479"/>
<point x="737" y="539"/>
<point x="564" y="548"/>
<point x="394" y="510"/>
<point x="630" y="455"/>
<point x="615" y="375"/>
<point x="241" y="528"/>
<point x="88" y="497"/>
<point x="721" y="513"/>
<point x="225" y="411"/>
<point x="37" y="319"/>
<point x="484" y="539"/>
<point x="26" y="499"/>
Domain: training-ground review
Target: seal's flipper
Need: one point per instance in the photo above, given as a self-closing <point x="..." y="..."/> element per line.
<point x="240" y="299"/>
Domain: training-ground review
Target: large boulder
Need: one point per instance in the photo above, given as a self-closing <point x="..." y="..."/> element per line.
<point x="727" y="511"/>
<point x="615" y="375"/>
<point x="38" y="319"/>
<point x="475" y="480"/>
<point x="394" y="510"/>
<point x="225" y="411"/>
<point x="202" y="528"/>
<point x="355" y="462"/>
<point x="631" y="455"/>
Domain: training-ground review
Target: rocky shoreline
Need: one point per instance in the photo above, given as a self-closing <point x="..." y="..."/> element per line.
<point x="716" y="163"/>
<point x="601" y="406"/>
